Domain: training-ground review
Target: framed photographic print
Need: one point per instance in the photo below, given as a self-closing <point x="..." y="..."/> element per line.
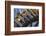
<point x="24" y="17"/>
